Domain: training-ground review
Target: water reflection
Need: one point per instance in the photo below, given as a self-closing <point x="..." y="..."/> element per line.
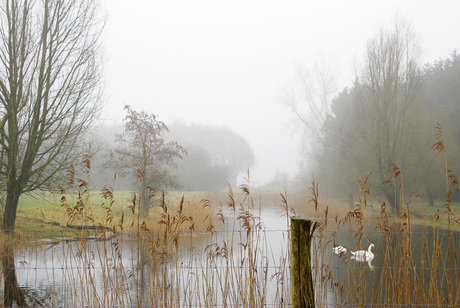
<point x="11" y="293"/>
<point x="362" y="259"/>
<point x="123" y="270"/>
<point x="404" y="267"/>
<point x="147" y="270"/>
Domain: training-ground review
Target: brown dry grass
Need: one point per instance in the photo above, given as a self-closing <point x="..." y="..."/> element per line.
<point x="180" y="257"/>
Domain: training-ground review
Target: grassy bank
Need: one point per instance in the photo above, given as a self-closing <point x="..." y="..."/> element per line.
<point x="51" y="213"/>
<point x="44" y="211"/>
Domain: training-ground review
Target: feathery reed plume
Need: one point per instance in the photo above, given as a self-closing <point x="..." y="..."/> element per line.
<point x="452" y="187"/>
<point x="314" y="194"/>
<point x="358" y="212"/>
<point x="396" y="175"/>
<point x="71" y="176"/>
<point x="163" y="261"/>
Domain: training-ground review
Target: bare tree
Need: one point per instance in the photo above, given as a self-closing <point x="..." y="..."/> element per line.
<point x="309" y="99"/>
<point x="388" y="100"/>
<point x="145" y="155"/>
<point x="50" y="89"/>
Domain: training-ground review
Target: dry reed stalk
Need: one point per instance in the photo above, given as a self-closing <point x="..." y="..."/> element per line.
<point x="433" y="279"/>
<point x="232" y="268"/>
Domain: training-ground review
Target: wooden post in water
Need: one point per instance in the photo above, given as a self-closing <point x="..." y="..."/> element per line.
<point x="303" y="294"/>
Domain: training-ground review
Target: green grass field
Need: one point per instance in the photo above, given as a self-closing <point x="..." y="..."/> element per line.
<point x="44" y="214"/>
<point x="44" y="211"/>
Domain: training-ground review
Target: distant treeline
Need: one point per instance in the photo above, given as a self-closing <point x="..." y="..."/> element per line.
<point x="215" y="157"/>
<point x="389" y="116"/>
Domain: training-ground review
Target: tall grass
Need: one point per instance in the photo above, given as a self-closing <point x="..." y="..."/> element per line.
<point x="163" y="261"/>
<point x="220" y="255"/>
<point x="418" y="274"/>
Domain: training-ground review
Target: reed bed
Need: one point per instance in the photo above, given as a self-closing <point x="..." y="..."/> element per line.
<point x="415" y="265"/>
<point x="231" y="258"/>
<point x="231" y="263"/>
<point x="161" y="261"/>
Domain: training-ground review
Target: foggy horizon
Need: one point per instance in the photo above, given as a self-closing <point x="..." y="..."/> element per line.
<point x="226" y="64"/>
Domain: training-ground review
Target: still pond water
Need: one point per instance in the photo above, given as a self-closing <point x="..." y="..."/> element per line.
<point x="119" y="271"/>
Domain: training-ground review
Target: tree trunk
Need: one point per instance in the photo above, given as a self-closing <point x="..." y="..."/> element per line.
<point x="393" y="199"/>
<point x="11" y="292"/>
<point x="9" y="217"/>
<point x="144" y="204"/>
<point x="429" y="196"/>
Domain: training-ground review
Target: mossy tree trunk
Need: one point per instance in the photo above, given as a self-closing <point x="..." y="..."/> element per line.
<point x="11" y="205"/>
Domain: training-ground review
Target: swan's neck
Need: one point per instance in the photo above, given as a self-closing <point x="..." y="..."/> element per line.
<point x="369" y="249"/>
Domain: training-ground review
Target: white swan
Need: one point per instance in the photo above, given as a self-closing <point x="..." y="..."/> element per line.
<point x="363" y="254"/>
<point x="339" y="250"/>
<point x="364" y="259"/>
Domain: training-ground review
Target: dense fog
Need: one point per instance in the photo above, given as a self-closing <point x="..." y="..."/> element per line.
<point x="277" y="101"/>
<point x="231" y="64"/>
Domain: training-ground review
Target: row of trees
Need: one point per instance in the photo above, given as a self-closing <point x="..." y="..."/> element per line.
<point x="389" y="116"/>
<point x="216" y="156"/>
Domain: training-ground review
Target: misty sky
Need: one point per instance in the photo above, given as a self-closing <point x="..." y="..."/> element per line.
<point x="226" y="62"/>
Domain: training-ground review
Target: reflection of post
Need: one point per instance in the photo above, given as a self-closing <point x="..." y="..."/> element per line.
<point x="11" y="293"/>
<point x="302" y="291"/>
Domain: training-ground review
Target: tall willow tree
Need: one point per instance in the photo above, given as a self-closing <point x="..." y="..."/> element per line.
<point x="50" y="90"/>
<point x="389" y="102"/>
